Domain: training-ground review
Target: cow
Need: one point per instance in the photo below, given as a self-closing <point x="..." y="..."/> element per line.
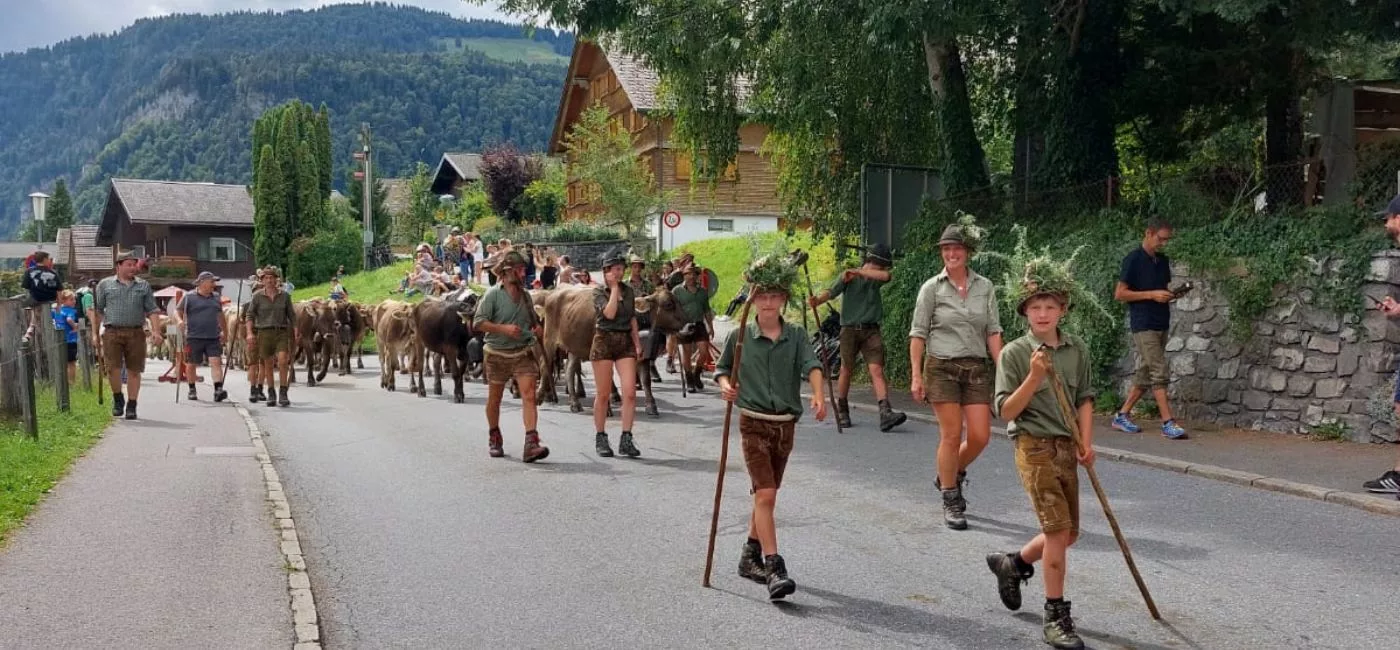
<point x="235" y="348"/>
<point x="569" y="317"/>
<point x="397" y="336"/>
<point x="444" y="329"/>
<point x="317" y="325"/>
<point x="350" y="330"/>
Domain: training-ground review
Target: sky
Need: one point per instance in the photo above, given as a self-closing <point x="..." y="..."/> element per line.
<point x="36" y="23"/>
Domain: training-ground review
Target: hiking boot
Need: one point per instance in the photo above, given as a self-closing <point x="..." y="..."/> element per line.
<point x="780" y="585"/>
<point x="1009" y="578"/>
<point x="1122" y="423"/>
<point x="670" y="366"/>
<point x="282" y="397"/>
<point x="193" y="396"/>
<point x="1059" y="627"/>
<point x="118" y="405"/>
<point x="496" y="445"/>
<point x="600" y="444"/>
<point x="131" y="409"/>
<point x="697" y="384"/>
<point x="889" y="418"/>
<point x="655" y="375"/>
<point x="751" y="563"/>
<point x="954" y="509"/>
<point x="1388" y="483"/>
<point x="220" y="394"/>
<point x="255" y="394"/>
<point x="843" y="413"/>
<point x="533" y="449"/>
<point x="625" y="446"/>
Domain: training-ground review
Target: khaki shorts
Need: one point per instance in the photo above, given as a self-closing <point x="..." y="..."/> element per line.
<point x="124" y="345"/>
<point x="865" y="343"/>
<point x="958" y="381"/>
<point x="1152" y="367"/>
<point x="272" y="341"/>
<point x="1049" y="470"/>
<point x="611" y="346"/>
<point x="501" y="368"/>
<point x="767" y="445"/>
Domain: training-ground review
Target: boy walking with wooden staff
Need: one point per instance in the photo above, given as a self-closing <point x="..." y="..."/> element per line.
<point x="767" y="389"/>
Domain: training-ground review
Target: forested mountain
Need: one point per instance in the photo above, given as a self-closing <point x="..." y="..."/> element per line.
<point x="176" y="97"/>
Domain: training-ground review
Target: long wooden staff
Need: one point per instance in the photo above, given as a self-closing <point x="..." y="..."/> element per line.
<point x="724" y="440"/>
<point x="1067" y="412"/>
<point x="826" y="368"/>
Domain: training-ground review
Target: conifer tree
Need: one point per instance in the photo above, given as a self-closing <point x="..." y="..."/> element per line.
<point x="270" y="227"/>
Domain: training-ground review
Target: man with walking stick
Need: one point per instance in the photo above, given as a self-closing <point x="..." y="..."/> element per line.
<point x="205" y="331"/>
<point x="122" y="302"/>
<point x="767" y="389"/>
<point x="1046" y="453"/>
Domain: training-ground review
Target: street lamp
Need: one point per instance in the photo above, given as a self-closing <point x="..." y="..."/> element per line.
<point x="40" y="203"/>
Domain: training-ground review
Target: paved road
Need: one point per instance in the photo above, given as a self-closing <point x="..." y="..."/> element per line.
<point x="415" y="537"/>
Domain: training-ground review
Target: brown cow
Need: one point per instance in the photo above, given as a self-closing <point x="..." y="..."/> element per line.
<point x="397" y="337"/>
<point x="317" y="325"/>
<point x="350" y="330"/>
<point x="444" y="330"/>
<point x="569" y="317"/>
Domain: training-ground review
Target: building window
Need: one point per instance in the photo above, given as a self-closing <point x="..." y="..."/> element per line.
<point x="721" y="225"/>
<point x="682" y="166"/>
<point x="222" y="249"/>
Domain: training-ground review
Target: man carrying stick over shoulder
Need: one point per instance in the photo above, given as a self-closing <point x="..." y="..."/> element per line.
<point x="776" y="357"/>
<point x="1046" y="456"/>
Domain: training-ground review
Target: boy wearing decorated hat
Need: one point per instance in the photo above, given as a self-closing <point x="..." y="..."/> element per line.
<point x="506" y="314"/>
<point x="775" y="359"/>
<point x="1046" y="456"/>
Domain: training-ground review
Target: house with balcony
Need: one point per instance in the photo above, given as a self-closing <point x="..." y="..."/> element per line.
<point x="181" y="228"/>
<point x="745" y="199"/>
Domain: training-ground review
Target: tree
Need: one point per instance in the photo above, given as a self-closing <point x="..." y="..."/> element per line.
<point x="618" y="183"/>
<point x="545" y="198"/>
<point x="59" y="213"/>
<point x="423" y="207"/>
<point x="505" y="173"/>
<point x="271" y="231"/>
<point x="313" y="205"/>
<point x="380" y="219"/>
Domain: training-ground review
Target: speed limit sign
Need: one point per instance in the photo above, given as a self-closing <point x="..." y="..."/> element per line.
<point x="672" y="219"/>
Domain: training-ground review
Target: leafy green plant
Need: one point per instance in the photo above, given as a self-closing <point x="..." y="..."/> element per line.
<point x="168" y="271"/>
<point x="1147" y="408"/>
<point x="1331" y="429"/>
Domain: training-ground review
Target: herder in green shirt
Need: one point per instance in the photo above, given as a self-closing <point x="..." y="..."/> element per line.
<point x="861" y="313"/>
<point x="776" y="358"/>
<point x="1047" y="458"/>
<point x="507" y="315"/>
<point x="694" y="302"/>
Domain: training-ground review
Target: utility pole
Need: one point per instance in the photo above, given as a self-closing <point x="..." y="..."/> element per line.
<point x="367" y="202"/>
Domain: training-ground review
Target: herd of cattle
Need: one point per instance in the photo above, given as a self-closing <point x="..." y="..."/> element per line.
<point x="438" y="332"/>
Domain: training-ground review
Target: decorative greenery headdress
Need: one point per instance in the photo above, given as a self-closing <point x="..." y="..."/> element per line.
<point x="972" y="233"/>
<point x="774" y="269"/>
<point x="1031" y="273"/>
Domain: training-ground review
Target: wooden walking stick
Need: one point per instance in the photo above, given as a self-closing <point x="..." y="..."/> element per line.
<point x="1067" y="412"/>
<point x="724" y="439"/>
<point x="826" y="368"/>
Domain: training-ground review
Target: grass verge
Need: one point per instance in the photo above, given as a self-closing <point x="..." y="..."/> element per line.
<point x="29" y="468"/>
<point x="730" y="257"/>
<point x="369" y="288"/>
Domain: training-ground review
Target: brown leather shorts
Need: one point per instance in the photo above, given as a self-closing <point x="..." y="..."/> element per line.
<point x="501" y="368"/>
<point x="1049" y="470"/>
<point x="861" y="342"/>
<point x="124" y="345"/>
<point x="958" y="381"/>
<point x="272" y="341"/>
<point x="767" y="445"/>
<point x="611" y="346"/>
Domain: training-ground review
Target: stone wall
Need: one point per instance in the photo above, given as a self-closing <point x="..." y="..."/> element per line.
<point x="1303" y="367"/>
<point x="592" y="253"/>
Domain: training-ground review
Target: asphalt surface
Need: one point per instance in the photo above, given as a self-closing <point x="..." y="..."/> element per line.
<point x="415" y="538"/>
<point x="159" y="537"/>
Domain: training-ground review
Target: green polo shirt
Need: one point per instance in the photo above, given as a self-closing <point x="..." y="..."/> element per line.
<point x="862" y="304"/>
<point x="626" y="309"/>
<point x="271" y="313"/>
<point x="497" y="307"/>
<point x="694" y="304"/>
<point x="1042" y="417"/>
<point x="771" y="372"/>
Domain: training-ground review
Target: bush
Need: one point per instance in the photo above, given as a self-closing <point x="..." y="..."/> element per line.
<point x="10" y="283"/>
<point x="578" y="231"/>
<point x="315" y="259"/>
<point x="168" y="271"/>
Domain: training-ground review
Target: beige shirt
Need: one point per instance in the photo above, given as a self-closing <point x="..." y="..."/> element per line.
<point x="954" y="327"/>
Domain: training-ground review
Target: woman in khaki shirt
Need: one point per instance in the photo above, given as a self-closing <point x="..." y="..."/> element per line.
<point x="954" y="341"/>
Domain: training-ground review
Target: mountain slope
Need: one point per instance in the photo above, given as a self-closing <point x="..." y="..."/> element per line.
<point x="176" y="97"/>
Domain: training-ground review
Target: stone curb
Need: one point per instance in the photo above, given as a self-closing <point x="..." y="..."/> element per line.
<point x="303" y="603"/>
<point x="1356" y="500"/>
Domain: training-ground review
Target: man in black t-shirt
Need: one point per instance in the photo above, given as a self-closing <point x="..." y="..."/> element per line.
<point x="1142" y="283"/>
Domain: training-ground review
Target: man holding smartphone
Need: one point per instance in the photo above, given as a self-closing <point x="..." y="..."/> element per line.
<point x="1389" y="482"/>
<point x="1143" y="284"/>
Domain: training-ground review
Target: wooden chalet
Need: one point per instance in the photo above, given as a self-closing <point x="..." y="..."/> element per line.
<point x="455" y="171"/>
<point x="181" y="228"/>
<point x="80" y="255"/>
<point x="745" y="200"/>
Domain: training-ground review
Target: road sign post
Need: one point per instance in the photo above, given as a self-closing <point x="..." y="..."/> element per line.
<point x="671" y="220"/>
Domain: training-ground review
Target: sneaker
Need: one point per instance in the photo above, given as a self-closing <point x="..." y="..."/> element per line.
<point x="626" y="447"/>
<point x="751" y="563"/>
<point x="1388" y="483"/>
<point x="194" y="395"/>
<point x="954" y="509"/>
<point x="1171" y="431"/>
<point x="1059" y="627"/>
<point x="496" y="445"/>
<point x="1009" y="578"/>
<point x="131" y="409"/>
<point x="600" y="444"/>
<point x="1122" y="423"/>
<point x="780" y="586"/>
<point x="118" y="405"/>
<point x="533" y="449"/>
